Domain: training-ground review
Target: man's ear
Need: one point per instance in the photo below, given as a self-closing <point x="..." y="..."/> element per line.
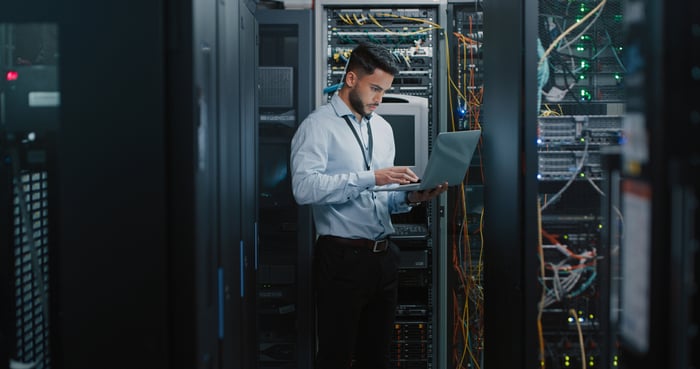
<point x="350" y="79"/>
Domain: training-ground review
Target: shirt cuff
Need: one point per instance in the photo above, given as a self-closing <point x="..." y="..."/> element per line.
<point x="366" y="179"/>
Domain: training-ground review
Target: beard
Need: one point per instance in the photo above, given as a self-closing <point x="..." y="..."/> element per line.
<point x="356" y="102"/>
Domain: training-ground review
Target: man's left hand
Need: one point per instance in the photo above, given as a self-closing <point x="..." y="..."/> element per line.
<point x="426" y="195"/>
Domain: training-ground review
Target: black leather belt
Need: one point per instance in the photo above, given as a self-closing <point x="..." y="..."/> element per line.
<point x="373" y="245"/>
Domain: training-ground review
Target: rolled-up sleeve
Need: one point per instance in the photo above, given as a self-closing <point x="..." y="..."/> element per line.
<point x="398" y="202"/>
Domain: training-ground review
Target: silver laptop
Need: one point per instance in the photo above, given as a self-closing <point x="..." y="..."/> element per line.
<point x="451" y="156"/>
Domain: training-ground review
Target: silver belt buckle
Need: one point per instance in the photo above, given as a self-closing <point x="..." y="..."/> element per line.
<point x="380" y="246"/>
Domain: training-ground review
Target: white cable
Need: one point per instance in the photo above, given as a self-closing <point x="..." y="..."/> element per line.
<point x="597" y="189"/>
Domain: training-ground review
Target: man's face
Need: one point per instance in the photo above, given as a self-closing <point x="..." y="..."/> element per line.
<point x="367" y="91"/>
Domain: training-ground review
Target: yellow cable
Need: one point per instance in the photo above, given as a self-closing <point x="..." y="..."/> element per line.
<point x="435" y="25"/>
<point x="346" y="21"/>
<point x="568" y="30"/>
<point x="580" y="338"/>
<point x="422" y="30"/>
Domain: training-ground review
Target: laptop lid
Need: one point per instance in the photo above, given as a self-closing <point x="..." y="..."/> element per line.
<point x="449" y="161"/>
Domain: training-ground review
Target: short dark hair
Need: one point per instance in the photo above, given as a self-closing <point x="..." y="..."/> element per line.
<point x="367" y="57"/>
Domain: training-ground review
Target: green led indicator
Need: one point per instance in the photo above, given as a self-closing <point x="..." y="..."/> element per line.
<point x="582" y="139"/>
<point x="582" y="77"/>
<point x="585" y="95"/>
<point x="582" y="174"/>
<point x="618" y="77"/>
<point x="580" y="48"/>
<point x="618" y="17"/>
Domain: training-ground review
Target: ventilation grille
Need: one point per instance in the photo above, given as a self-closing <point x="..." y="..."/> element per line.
<point x="32" y="331"/>
<point x="276" y="87"/>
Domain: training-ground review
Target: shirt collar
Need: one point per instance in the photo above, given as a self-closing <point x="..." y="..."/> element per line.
<point x="341" y="109"/>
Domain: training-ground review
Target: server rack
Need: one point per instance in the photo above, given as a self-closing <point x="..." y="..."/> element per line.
<point x="285" y="309"/>
<point x="658" y="295"/>
<point x="465" y="203"/>
<point x="151" y="250"/>
<point x="581" y="102"/>
<point x="28" y="122"/>
<point x="413" y="31"/>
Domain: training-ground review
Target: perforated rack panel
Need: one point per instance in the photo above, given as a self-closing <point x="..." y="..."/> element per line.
<point x="32" y="330"/>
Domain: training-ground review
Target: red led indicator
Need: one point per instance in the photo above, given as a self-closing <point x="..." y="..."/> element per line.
<point x="12" y="75"/>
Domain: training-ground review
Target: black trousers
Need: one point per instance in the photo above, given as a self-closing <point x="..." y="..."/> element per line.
<point x="356" y="292"/>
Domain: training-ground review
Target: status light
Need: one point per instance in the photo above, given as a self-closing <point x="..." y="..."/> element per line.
<point x="12" y="75"/>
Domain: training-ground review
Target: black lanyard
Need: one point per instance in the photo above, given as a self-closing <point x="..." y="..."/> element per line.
<point x="359" y="142"/>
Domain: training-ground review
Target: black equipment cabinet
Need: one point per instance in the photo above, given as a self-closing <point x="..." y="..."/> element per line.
<point x="285" y="311"/>
<point x="658" y="318"/>
<point x="510" y="194"/>
<point x="149" y="245"/>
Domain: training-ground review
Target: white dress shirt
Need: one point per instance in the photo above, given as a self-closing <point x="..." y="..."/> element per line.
<point x="330" y="174"/>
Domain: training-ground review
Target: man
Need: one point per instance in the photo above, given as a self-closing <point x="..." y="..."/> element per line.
<point x="339" y="152"/>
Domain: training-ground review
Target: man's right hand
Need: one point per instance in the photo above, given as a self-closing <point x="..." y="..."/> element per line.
<point x="390" y="175"/>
